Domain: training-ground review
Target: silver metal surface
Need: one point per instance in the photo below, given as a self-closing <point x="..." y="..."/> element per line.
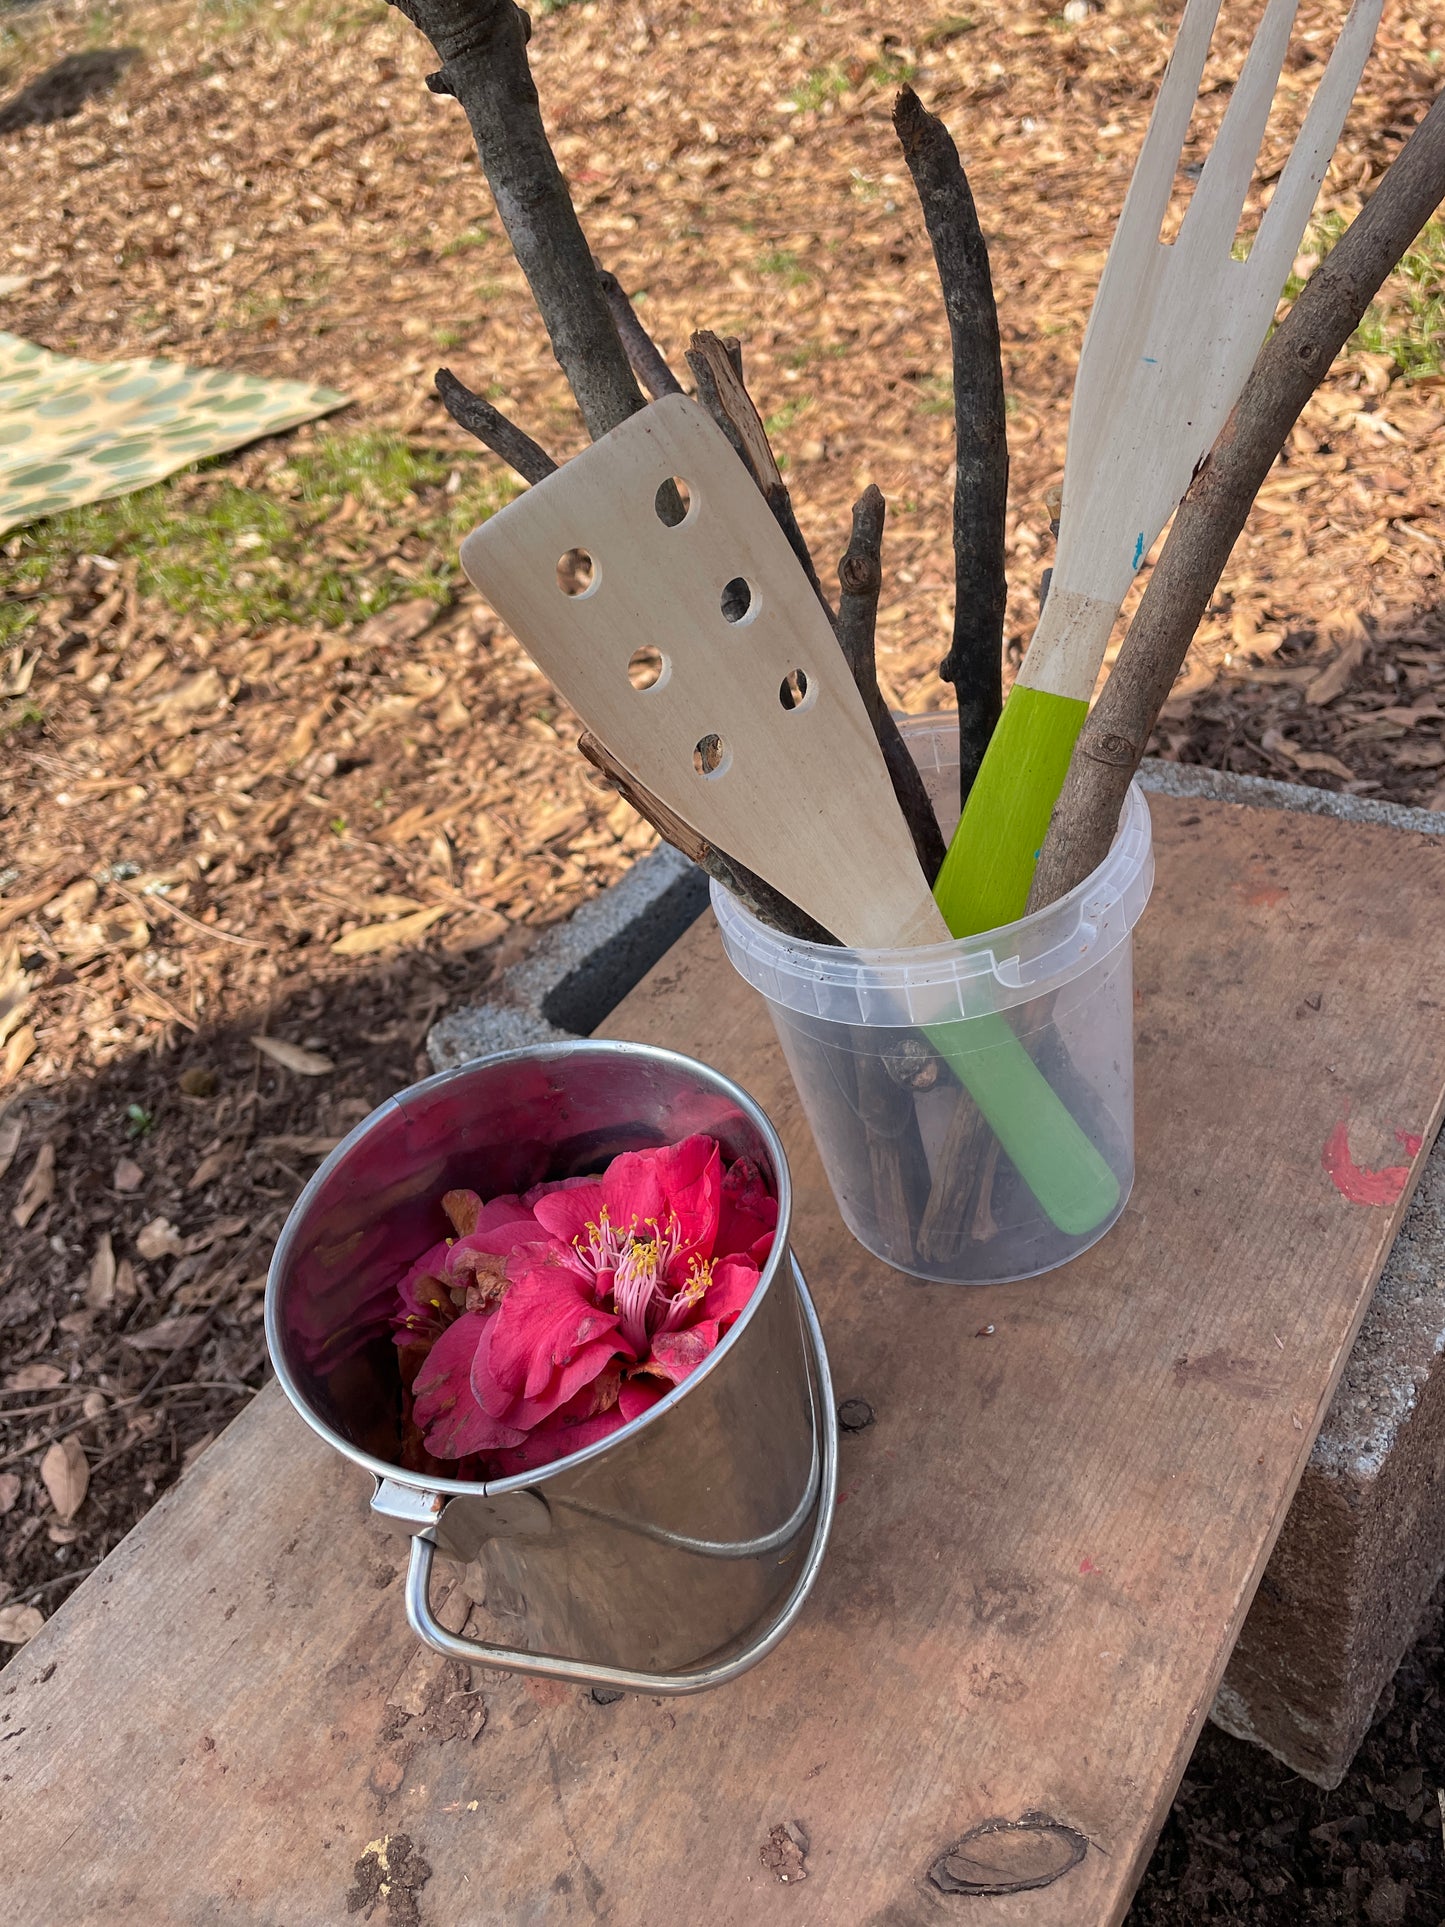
<point x="673" y="1540"/>
<point x="716" y="1673"/>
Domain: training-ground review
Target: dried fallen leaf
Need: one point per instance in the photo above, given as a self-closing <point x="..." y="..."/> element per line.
<point x="128" y="1175"/>
<point x="100" y="1285"/>
<point x="9" y="1491"/>
<point x="1334" y="678"/>
<point x="211" y="1166"/>
<point x="19" y="1624"/>
<point x="65" y="1473"/>
<point x="35" y="1378"/>
<point x="169" y="1334"/>
<point x="1319" y="761"/>
<point x="1418" y="755"/>
<point x="382" y="936"/>
<point x="18" y="1053"/>
<point x="159" y="1239"/>
<point x="94" y="1405"/>
<point x="39" y="1187"/>
<point x="306" y="1063"/>
<point x="213" y="1234"/>
<point x="11" y="1132"/>
<point x="299" y="1146"/>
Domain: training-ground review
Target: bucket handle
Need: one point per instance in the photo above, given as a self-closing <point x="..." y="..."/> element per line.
<point x="578" y="1672"/>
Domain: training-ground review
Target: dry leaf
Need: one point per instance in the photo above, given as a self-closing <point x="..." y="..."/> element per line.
<point x="9" y="1491"/>
<point x="19" y="1624"/>
<point x="126" y="1287"/>
<point x="169" y="1334"/>
<point x="159" y="1239"/>
<point x="1418" y="755"/>
<point x="35" y="1378"/>
<point x="1319" y="760"/>
<point x="65" y="1473"/>
<point x="26" y="906"/>
<point x="128" y="1175"/>
<point x="15" y="1007"/>
<point x="18" y="1053"/>
<point x="1334" y="678"/>
<point x="213" y="1234"/>
<point x="39" y="1187"/>
<point x="11" y="1132"/>
<point x="299" y="1146"/>
<point x="306" y="1063"/>
<point x="381" y="936"/>
<point x="100" y="1285"/>
<point x="211" y="1166"/>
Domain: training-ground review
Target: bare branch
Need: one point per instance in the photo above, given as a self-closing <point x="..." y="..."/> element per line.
<point x="491" y="427"/>
<point x="482" y="45"/>
<point x="1290" y="367"/>
<point x="720" y="389"/>
<point x="642" y="351"/>
<point x="974" y="663"/>
<point x="860" y="577"/>
<point x="750" y="890"/>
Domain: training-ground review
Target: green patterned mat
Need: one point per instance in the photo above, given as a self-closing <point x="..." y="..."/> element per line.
<point x="76" y="431"/>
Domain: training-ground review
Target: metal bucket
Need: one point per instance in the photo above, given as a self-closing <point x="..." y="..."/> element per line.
<point x="668" y="1557"/>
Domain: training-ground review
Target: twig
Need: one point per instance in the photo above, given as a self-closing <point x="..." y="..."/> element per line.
<point x="1290" y="367"/>
<point x="860" y="578"/>
<point x="642" y="351"/>
<point x="183" y="916"/>
<point x="482" y="45"/>
<point x="750" y="890"/>
<point x="974" y="663"/>
<point x="492" y="428"/>
<point x="720" y="389"/>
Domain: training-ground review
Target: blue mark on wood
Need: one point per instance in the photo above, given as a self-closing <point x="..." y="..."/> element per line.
<point x="1139" y="551"/>
<point x="1152" y="360"/>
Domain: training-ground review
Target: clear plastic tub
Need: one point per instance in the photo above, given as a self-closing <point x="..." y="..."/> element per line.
<point x="973" y="1101"/>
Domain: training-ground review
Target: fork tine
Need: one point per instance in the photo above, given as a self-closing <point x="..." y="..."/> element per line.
<point x="1153" y="178"/>
<point x="1283" y="226"/>
<point x="1213" y="214"/>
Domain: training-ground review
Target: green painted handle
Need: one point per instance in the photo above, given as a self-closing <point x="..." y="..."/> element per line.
<point x="1049" y="1148"/>
<point x="985" y="879"/>
<point x="984" y="884"/>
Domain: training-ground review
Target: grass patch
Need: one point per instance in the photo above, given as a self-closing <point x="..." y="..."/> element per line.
<point x="221" y="553"/>
<point x="788" y="416"/>
<point x="935" y="395"/>
<point x="1407" y="323"/>
<point x="474" y="237"/>
<point x="826" y="84"/>
<point x="783" y="263"/>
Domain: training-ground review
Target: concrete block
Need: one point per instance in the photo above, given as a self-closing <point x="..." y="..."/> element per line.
<point x="580" y="969"/>
<point x="1363" y="1546"/>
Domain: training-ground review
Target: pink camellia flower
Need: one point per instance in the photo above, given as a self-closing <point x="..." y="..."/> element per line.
<point x="553" y="1319"/>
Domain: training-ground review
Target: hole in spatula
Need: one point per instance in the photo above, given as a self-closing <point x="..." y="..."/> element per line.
<point x="737" y="599"/>
<point x="577" y="573"/>
<point x="647" y="668"/>
<point x="673" y="502"/>
<point x="711" y="756"/>
<point x="793" y="689"/>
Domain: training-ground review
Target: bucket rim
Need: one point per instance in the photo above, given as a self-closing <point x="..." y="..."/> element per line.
<point x="291" y="1232"/>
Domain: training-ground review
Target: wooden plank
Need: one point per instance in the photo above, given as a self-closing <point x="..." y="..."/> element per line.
<point x="1046" y="1542"/>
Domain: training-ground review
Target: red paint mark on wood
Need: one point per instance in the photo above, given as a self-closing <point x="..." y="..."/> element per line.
<point x="1266" y="895"/>
<point x="1086" y="1566"/>
<point x="1355" y="1183"/>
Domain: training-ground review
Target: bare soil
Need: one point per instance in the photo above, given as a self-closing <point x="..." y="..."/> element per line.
<point x="243" y="800"/>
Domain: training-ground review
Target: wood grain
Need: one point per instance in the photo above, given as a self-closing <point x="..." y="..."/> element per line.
<point x="1046" y="1542"/>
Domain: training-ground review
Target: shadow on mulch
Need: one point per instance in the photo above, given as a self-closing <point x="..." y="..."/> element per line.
<point x="62" y="90"/>
<point x="131" y="1300"/>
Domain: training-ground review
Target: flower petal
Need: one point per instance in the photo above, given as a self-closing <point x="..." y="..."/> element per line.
<point x="638" y="1396"/>
<point x="556" y="1439"/>
<point x="463" y="1209"/>
<point x="734" y="1280"/>
<point x="678" y="1353"/>
<point x="446" y="1408"/>
<point x="565" y="1210"/>
<point x="552" y="1342"/>
<point x="748" y="1213"/>
<point x="683" y="1179"/>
